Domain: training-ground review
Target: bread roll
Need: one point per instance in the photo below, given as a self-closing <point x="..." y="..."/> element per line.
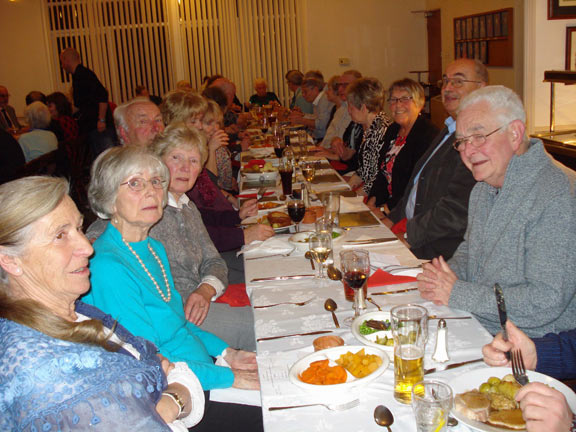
<point x="324" y="342"/>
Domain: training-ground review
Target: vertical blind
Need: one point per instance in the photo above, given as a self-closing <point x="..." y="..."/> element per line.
<point x="128" y="42"/>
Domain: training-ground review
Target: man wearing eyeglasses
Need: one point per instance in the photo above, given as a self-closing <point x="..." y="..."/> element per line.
<point x="433" y="211"/>
<point x="521" y="231"/>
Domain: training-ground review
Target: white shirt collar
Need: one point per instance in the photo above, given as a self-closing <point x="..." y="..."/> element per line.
<point x="315" y="102"/>
<point x="183" y="201"/>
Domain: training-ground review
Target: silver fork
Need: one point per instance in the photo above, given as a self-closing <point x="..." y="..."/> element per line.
<point x="333" y="407"/>
<point x="285" y="303"/>
<point x="518" y="368"/>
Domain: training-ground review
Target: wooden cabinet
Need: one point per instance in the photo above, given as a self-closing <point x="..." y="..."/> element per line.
<point x="487" y="37"/>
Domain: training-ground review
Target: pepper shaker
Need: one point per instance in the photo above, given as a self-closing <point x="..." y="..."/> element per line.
<point x="441" y="349"/>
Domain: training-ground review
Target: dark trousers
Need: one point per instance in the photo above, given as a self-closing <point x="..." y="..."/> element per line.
<point x="228" y="417"/>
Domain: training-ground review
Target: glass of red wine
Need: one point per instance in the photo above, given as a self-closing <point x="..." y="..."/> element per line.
<point x="286" y="169"/>
<point x="296" y="211"/>
<point x="355" y="265"/>
<point x="279" y="145"/>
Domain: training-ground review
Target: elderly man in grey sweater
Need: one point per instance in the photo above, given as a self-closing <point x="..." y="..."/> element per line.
<point x="521" y="223"/>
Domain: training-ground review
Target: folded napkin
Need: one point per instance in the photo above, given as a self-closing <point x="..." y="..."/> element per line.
<point x="271" y="246"/>
<point x="380" y="260"/>
<point x="251" y="193"/>
<point x="338" y="166"/>
<point x="259" y="162"/>
<point x="352" y="204"/>
<point x="380" y="277"/>
<point x="235" y="296"/>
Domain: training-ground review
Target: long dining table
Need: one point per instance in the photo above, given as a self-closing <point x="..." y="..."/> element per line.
<point x="277" y="351"/>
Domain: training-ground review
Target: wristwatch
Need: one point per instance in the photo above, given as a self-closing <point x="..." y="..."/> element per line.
<point x="177" y="401"/>
<point x="101" y="120"/>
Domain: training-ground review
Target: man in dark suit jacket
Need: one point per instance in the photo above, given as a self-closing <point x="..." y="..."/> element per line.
<point x="435" y="203"/>
<point x="8" y="119"/>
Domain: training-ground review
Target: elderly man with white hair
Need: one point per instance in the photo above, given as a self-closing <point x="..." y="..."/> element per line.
<point x="138" y="122"/>
<point x="38" y="141"/>
<point x="521" y="231"/>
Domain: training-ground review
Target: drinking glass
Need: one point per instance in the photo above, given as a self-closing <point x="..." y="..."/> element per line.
<point x="320" y="245"/>
<point x="286" y="169"/>
<point x="410" y="331"/>
<point x="308" y="170"/>
<point x="324" y="225"/>
<point x="355" y="265"/>
<point x="303" y="142"/>
<point x="296" y="211"/>
<point x="279" y="146"/>
<point x="264" y="123"/>
<point x="331" y="202"/>
<point x="431" y="403"/>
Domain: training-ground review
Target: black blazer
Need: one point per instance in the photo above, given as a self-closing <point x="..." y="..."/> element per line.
<point x="417" y="142"/>
<point x="441" y="210"/>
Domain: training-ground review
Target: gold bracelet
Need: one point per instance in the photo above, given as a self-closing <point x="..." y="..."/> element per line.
<point x="177" y="401"/>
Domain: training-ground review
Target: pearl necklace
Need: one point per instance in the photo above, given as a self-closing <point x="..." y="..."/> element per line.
<point x="166" y="297"/>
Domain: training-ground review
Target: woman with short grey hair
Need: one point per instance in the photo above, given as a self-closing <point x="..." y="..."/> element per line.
<point x="38" y="141"/>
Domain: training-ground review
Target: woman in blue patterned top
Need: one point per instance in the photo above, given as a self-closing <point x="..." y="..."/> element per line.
<point x="65" y="365"/>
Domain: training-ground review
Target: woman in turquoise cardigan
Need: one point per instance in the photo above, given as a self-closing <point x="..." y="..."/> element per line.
<point x="131" y="277"/>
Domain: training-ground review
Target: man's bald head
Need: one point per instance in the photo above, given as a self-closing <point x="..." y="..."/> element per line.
<point x="69" y="59"/>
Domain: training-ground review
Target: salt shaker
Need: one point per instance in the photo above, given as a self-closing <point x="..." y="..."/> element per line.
<point x="441" y="350"/>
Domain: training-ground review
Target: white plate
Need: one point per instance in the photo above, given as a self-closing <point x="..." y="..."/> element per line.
<point x="266" y="176"/>
<point x="472" y="380"/>
<point x="333" y="354"/>
<point x="370" y="340"/>
<point x="297" y="239"/>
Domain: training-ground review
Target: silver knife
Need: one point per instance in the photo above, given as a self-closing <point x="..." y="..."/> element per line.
<point x="376" y="240"/>
<point x="395" y="292"/>
<point x="502" y="314"/>
<point x="292" y="335"/>
<point x="273" y="278"/>
<point x="452" y="366"/>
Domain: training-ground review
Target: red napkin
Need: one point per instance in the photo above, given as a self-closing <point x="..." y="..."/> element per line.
<point x="380" y="277"/>
<point x="235" y="296"/>
<point x="338" y="166"/>
<point x="253" y="195"/>
<point x="400" y="227"/>
<point x="259" y="162"/>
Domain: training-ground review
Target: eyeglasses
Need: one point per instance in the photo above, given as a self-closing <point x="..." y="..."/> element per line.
<point x="402" y="99"/>
<point x="138" y="184"/>
<point x="456" y="82"/>
<point x="476" y="140"/>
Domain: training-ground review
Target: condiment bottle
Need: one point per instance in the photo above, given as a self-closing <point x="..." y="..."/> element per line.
<point x="441" y="349"/>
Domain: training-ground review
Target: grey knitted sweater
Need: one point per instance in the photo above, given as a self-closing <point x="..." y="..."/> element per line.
<point x="522" y="236"/>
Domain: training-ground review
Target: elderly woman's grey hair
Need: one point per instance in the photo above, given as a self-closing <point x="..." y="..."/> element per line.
<point x="38" y="115"/>
<point x="121" y="112"/>
<point x="294" y="77"/>
<point x="114" y="167"/>
<point x="505" y="105"/>
<point x="23" y="202"/>
<point x="178" y="135"/>
<point x="414" y="89"/>
<point x="366" y="91"/>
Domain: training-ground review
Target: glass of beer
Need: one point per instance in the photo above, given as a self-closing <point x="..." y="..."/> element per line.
<point x="431" y="403"/>
<point x="410" y="331"/>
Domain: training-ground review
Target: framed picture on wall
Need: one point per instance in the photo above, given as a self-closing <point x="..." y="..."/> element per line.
<point x="571" y="48"/>
<point x="561" y="9"/>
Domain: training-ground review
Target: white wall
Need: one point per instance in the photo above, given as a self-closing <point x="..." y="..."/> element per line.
<point x="545" y="50"/>
<point x="382" y="38"/>
<point x="24" y="62"/>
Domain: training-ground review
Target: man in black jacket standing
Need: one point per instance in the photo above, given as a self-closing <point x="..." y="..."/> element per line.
<point x="435" y="204"/>
<point x="91" y="99"/>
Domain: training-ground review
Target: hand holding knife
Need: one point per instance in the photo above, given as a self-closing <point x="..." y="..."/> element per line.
<point x="502" y="314"/>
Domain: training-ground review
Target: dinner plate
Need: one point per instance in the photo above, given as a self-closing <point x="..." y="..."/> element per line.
<point x="333" y="354"/>
<point x="370" y="340"/>
<point x="265" y="176"/>
<point x="471" y="380"/>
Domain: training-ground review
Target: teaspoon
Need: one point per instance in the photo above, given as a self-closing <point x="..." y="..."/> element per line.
<point x="333" y="273"/>
<point x="330" y="305"/>
<point x="383" y="417"/>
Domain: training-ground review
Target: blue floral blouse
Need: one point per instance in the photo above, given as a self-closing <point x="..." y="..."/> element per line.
<point x="48" y="384"/>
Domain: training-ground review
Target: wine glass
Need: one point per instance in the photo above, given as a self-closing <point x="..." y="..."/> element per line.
<point x="264" y="124"/>
<point x="278" y="146"/>
<point x="324" y="225"/>
<point x="331" y="202"/>
<point x="355" y="265"/>
<point x="320" y="245"/>
<point x="308" y="170"/>
<point x="296" y="211"/>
